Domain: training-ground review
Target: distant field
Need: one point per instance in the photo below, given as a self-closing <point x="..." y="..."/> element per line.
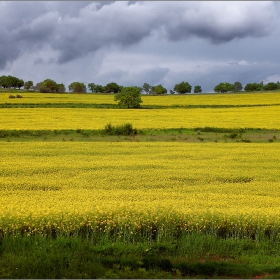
<point x="266" y="98"/>
<point x="92" y="118"/>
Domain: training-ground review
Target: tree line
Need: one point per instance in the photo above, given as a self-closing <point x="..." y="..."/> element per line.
<point x="237" y="87"/>
<point x="49" y="85"/>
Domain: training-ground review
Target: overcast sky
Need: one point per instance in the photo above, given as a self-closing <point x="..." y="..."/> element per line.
<point x="132" y="43"/>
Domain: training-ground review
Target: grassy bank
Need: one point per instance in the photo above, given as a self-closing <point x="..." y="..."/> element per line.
<point x="191" y="256"/>
<point x="199" y="134"/>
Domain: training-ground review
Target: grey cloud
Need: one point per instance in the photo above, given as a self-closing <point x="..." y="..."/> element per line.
<point x="152" y="76"/>
<point x="222" y="21"/>
<point x="76" y="29"/>
<point x="126" y="24"/>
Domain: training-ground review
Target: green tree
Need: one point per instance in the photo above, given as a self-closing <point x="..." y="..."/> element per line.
<point x="129" y="97"/>
<point x="112" y="88"/>
<point x="183" y="87"/>
<point x="50" y="85"/>
<point x="99" y="88"/>
<point x="60" y="88"/>
<point x="28" y="85"/>
<point x="147" y="88"/>
<point x="237" y="87"/>
<point x="19" y="83"/>
<point x="197" y="89"/>
<point x="77" y="87"/>
<point x="41" y="87"/>
<point x="159" y="90"/>
<point x="92" y="87"/>
<point x="8" y="81"/>
<point x="2" y="81"/>
<point x="271" y="86"/>
<point x="224" y="87"/>
<point x="254" y="87"/>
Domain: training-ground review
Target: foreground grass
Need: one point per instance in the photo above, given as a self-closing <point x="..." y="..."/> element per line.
<point x="191" y="256"/>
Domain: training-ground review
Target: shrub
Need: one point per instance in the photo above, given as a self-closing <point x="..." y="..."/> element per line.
<point x="12" y="96"/>
<point x="125" y="129"/>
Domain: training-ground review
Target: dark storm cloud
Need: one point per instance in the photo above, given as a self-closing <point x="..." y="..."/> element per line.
<point x="222" y="21"/>
<point x="76" y="29"/>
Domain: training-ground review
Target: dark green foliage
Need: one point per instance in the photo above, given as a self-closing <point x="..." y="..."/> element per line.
<point x="147" y="88"/>
<point x="183" y="87"/>
<point x="99" y="88"/>
<point x="129" y="97"/>
<point x="11" y="82"/>
<point x="92" y="87"/>
<point x="28" y="85"/>
<point x="272" y="86"/>
<point x="197" y="89"/>
<point x="194" y="256"/>
<point x="112" y="88"/>
<point x="95" y="88"/>
<point x="60" y="88"/>
<point x="237" y="87"/>
<point x="49" y="85"/>
<point x="254" y="87"/>
<point x="224" y="87"/>
<point x="219" y="130"/>
<point x="77" y="87"/>
<point x="159" y="90"/>
<point x="246" y="141"/>
<point x="125" y="129"/>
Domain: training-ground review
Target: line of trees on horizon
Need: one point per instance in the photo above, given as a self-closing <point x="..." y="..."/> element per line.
<point x="49" y="85"/>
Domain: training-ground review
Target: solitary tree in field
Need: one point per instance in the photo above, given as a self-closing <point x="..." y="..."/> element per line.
<point x="129" y="97"/>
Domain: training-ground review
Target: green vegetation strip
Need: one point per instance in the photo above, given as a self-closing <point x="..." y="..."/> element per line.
<point x="191" y="256"/>
<point x="115" y="106"/>
<point x="126" y="132"/>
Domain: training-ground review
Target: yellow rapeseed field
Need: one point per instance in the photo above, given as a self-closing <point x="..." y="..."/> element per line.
<point x="131" y="189"/>
<point x="264" y="98"/>
<point x="142" y="188"/>
<point x="93" y="118"/>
